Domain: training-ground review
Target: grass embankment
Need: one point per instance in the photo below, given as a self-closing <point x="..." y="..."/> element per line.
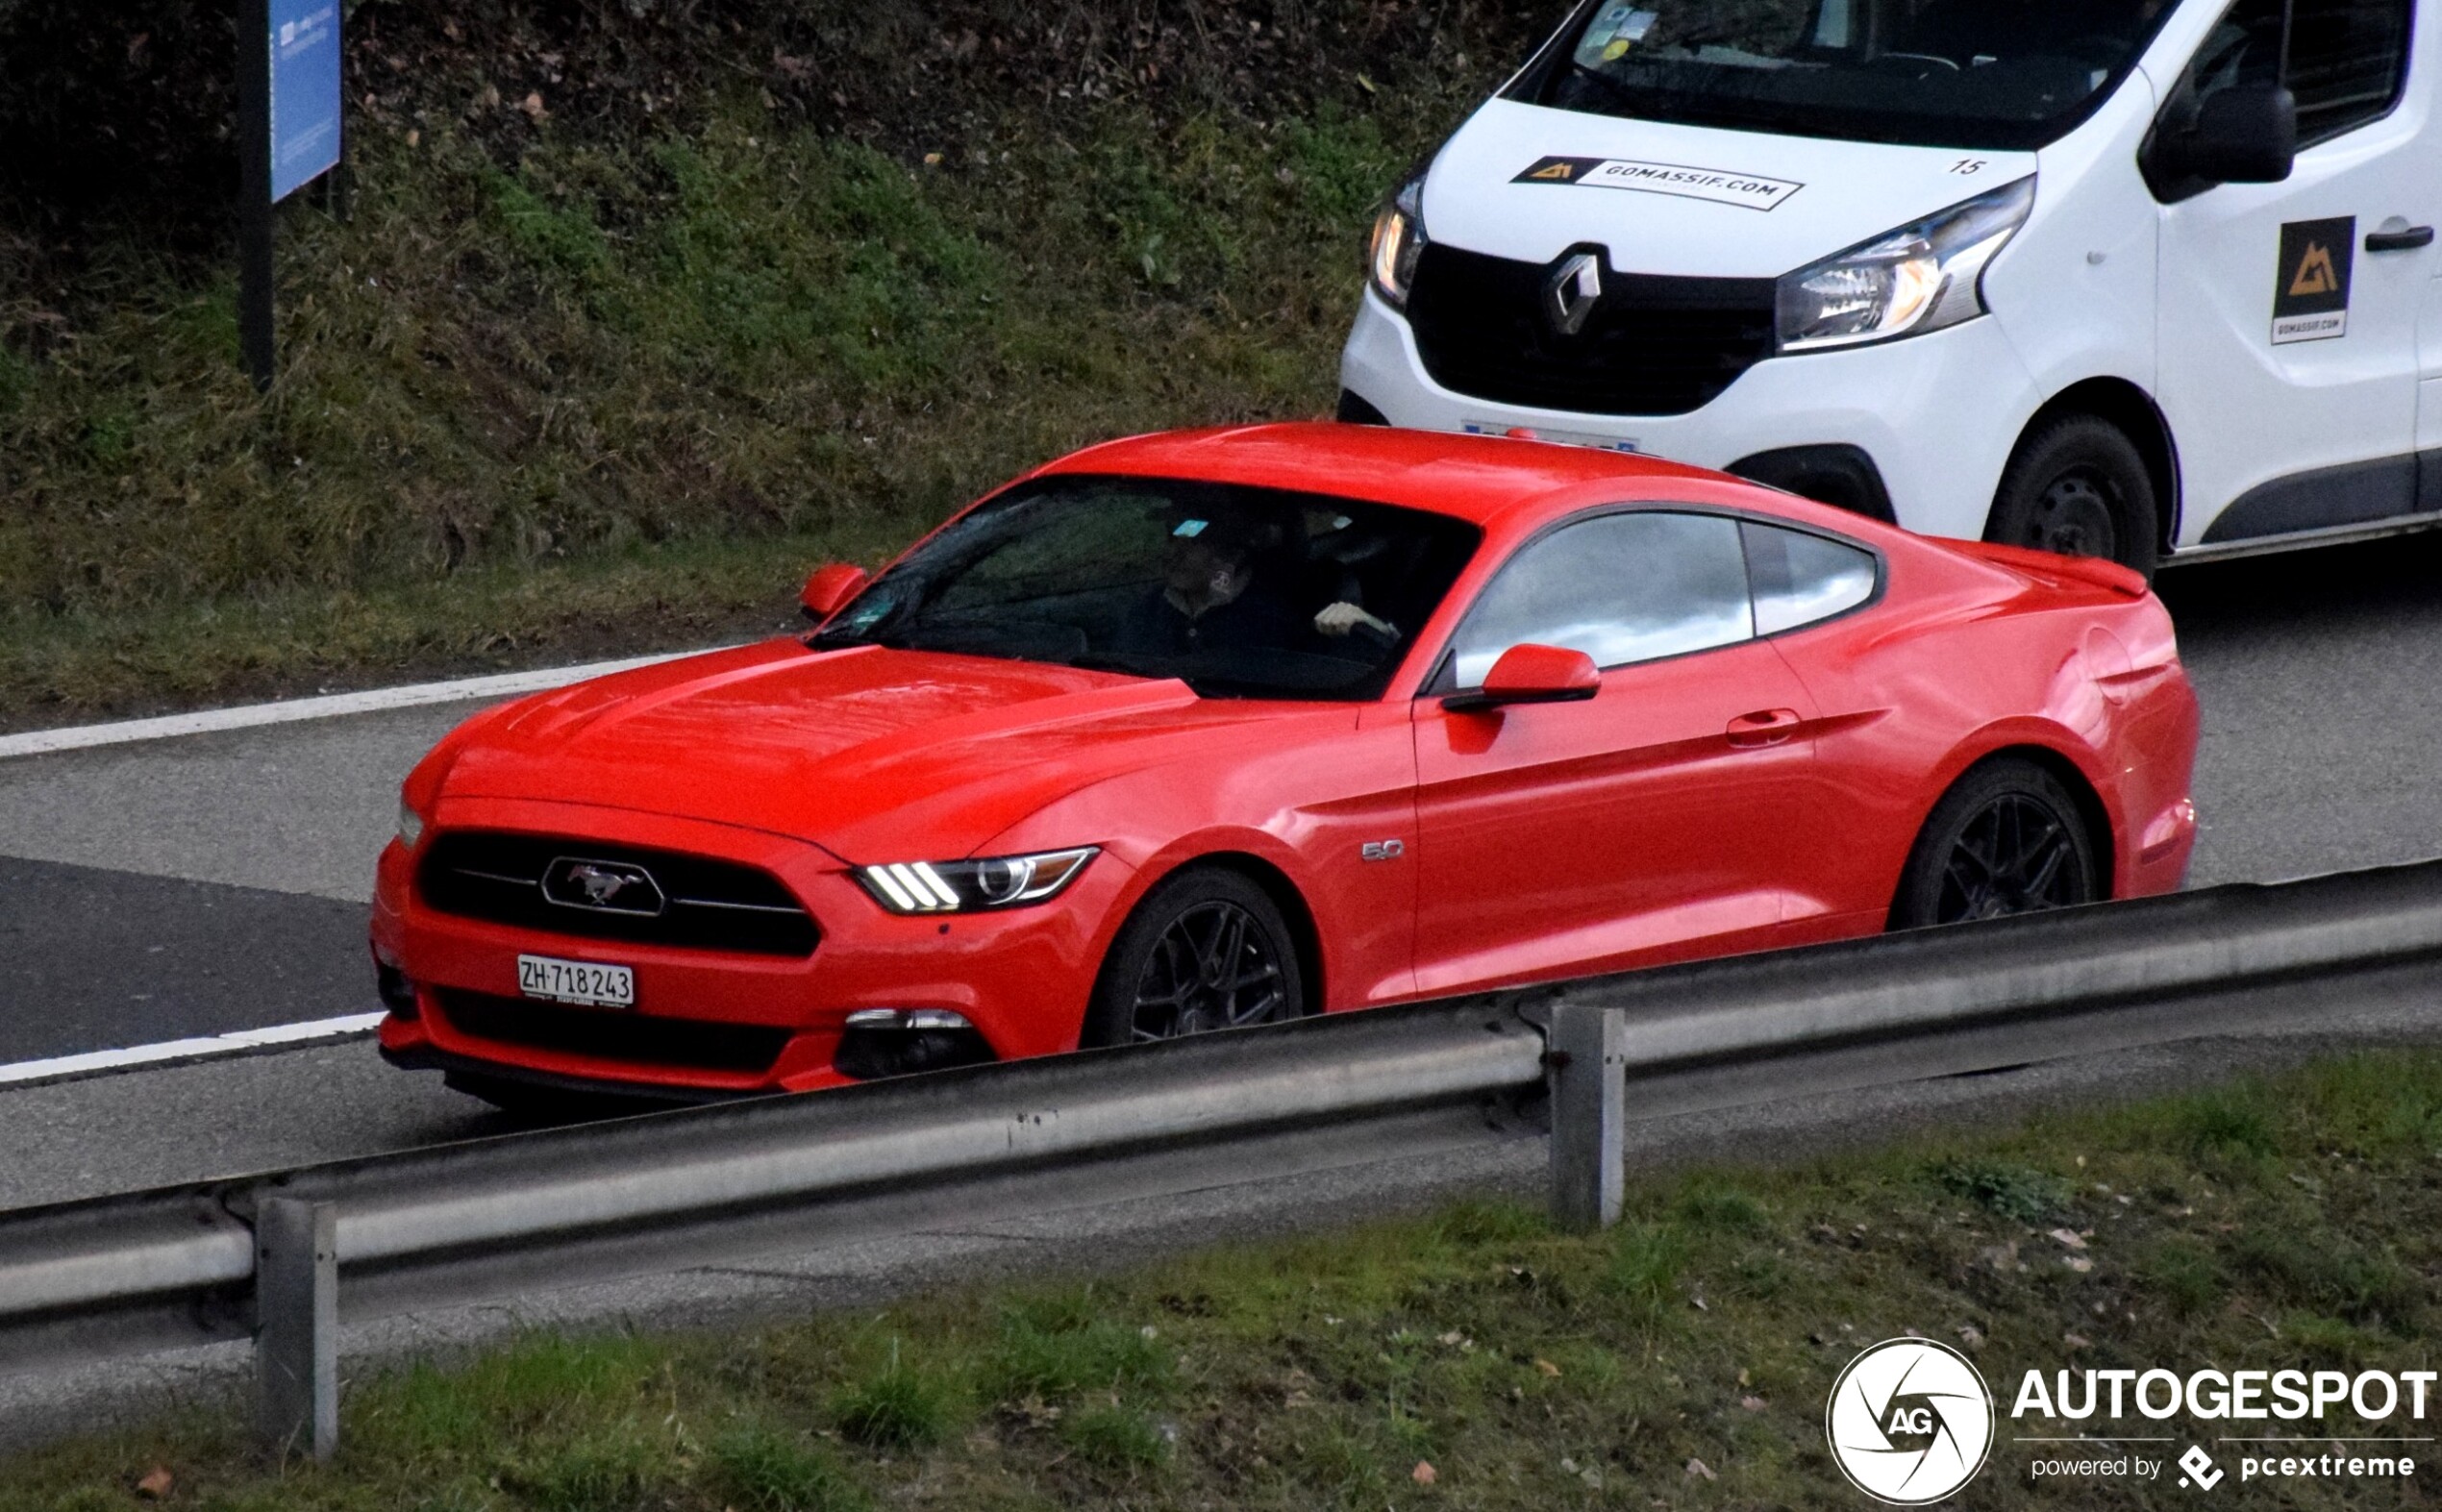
<point x="2288" y="1224"/>
<point x="644" y="309"/>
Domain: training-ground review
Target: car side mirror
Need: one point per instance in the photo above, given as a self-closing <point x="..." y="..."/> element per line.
<point x="829" y="587"/>
<point x="1531" y="673"/>
<point x="2240" y="135"/>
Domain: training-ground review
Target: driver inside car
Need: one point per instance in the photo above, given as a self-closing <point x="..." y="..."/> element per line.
<point x="1216" y="591"/>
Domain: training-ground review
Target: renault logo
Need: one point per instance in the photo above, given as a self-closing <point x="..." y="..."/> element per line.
<point x="610" y="886"/>
<point x="1571" y="293"/>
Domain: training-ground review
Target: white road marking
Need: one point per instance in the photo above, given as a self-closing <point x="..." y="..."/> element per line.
<point x="246" y="716"/>
<point x="210" y="1046"/>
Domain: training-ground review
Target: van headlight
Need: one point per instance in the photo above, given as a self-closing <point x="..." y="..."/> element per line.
<point x="1919" y="278"/>
<point x="1399" y="240"/>
<point x="1004" y="882"/>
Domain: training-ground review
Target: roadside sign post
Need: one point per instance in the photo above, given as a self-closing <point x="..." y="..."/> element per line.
<point x="290" y="133"/>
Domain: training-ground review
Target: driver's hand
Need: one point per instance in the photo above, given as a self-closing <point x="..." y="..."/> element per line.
<point x="1338" y="619"/>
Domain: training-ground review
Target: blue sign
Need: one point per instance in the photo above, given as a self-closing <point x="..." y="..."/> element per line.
<point x="305" y="93"/>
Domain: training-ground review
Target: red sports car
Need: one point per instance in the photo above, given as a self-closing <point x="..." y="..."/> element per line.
<point x="1226" y="727"/>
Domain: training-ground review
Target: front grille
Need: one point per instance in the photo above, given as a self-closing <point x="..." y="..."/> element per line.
<point x="706" y="903"/>
<point x="1652" y="345"/>
<point x="614" y="1033"/>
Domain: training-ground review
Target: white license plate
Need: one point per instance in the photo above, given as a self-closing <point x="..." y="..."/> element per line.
<point x="595" y="986"/>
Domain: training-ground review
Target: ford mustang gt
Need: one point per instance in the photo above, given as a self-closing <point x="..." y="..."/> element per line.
<point x="1222" y="727"/>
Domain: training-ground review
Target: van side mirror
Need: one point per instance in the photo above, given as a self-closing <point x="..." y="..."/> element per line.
<point x="1531" y="673"/>
<point x="829" y="587"/>
<point x="2240" y="135"/>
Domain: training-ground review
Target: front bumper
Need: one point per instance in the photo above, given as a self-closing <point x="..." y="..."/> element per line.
<point x="1937" y="413"/>
<point x="710" y="1023"/>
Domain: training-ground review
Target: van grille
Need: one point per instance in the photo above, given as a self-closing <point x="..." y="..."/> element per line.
<point x="1652" y="346"/>
<point x="704" y="903"/>
<point x="614" y="1033"/>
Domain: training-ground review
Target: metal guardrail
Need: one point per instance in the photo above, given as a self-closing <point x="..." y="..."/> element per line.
<point x="272" y="1257"/>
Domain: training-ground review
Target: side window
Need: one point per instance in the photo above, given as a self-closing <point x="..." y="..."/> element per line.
<point x="2348" y="59"/>
<point x="1800" y="577"/>
<point x="1620" y="587"/>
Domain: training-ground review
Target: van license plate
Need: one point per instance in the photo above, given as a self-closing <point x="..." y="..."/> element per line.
<point x="582" y="982"/>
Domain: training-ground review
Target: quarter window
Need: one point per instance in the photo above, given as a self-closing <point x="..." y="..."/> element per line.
<point x="1800" y="579"/>
<point x="1620" y="587"/>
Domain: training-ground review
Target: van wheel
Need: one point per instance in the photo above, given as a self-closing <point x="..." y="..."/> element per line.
<point x="2006" y="839"/>
<point x="2079" y="486"/>
<point x="1206" y="950"/>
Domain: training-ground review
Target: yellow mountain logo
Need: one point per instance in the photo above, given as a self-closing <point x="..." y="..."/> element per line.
<point x="2315" y="274"/>
<point x="1558" y="170"/>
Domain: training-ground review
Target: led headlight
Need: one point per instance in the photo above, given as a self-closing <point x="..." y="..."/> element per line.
<point x="1399" y="240"/>
<point x="411" y="824"/>
<point x="1919" y="278"/>
<point x="969" y="886"/>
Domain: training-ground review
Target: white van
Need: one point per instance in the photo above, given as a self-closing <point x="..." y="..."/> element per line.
<point x="2124" y="278"/>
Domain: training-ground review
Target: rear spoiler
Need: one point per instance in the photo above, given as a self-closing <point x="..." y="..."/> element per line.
<point x="2091" y="571"/>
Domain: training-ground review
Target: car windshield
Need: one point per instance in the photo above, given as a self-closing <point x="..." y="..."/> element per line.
<point x="1239" y="592"/>
<point x="1992" y="75"/>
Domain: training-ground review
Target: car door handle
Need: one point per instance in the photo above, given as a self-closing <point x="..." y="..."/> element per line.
<point x="2408" y="241"/>
<point x="1765" y="727"/>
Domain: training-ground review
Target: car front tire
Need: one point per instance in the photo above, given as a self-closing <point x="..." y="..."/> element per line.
<point x="1207" y="949"/>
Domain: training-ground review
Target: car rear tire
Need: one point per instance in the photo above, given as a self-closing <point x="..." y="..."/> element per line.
<point x="2006" y="839"/>
<point x="2079" y="486"/>
<point x="1207" y="949"/>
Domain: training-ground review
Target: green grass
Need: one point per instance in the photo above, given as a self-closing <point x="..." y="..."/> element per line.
<point x="1529" y="1368"/>
<point x="648" y="370"/>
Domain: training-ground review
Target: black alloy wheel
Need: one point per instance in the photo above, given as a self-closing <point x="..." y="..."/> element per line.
<point x="2079" y="486"/>
<point x="2007" y="839"/>
<point x="1206" y="950"/>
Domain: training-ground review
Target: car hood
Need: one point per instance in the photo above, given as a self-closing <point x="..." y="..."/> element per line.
<point x="874" y="755"/>
<point x="1706" y="202"/>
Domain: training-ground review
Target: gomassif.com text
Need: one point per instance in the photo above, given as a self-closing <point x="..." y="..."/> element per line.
<point x="2211" y="1395"/>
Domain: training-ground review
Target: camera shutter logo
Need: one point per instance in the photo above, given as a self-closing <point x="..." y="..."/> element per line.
<point x="1909" y="1421"/>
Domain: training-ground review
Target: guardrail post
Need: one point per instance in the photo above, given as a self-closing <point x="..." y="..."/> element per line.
<point x="297" y="1327"/>
<point x="1588" y="1076"/>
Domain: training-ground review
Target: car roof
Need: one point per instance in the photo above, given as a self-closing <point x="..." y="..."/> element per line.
<point x="1474" y="478"/>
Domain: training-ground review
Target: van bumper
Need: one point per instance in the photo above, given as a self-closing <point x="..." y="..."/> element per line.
<point x="1937" y="415"/>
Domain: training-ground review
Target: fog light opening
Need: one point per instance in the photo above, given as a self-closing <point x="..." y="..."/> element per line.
<point x="899" y="1042"/>
<point x="396" y="991"/>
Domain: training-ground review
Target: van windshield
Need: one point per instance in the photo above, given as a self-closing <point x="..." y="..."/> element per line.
<point x="1995" y="75"/>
